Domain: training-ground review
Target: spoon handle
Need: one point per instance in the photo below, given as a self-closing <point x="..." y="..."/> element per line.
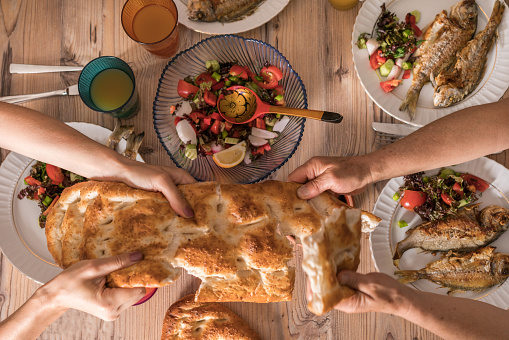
<point x="324" y="116"/>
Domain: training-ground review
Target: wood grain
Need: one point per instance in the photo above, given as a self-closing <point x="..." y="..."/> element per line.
<point x="315" y="38"/>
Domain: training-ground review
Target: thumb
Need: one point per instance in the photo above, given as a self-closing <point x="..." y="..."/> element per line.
<point x="106" y="265"/>
<point x="313" y="188"/>
<point x="349" y="278"/>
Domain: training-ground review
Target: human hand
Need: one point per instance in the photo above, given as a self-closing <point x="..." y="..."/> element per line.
<point x="342" y="175"/>
<point x="157" y="178"/>
<point x="83" y="287"/>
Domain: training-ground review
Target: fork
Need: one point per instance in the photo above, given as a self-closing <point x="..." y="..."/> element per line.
<point x="382" y="139"/>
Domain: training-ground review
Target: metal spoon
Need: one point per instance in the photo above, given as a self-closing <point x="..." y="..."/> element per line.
<point x="243" y="105"/>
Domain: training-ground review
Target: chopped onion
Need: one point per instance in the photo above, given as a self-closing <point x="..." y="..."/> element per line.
<point x="183" y="109"/>
<point x="257" y="141"/>
<point x="263" y="133"/>
<point x="247" y="159"/>
<point x="280" y="125"/>
<point x="395" y="72"/>
<point x="372" y="45"/>
<point x="216" y="147"/>
<point x="186" y="132"/>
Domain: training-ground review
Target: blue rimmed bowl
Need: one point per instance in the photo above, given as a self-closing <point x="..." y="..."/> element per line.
<point x="247" y="52"/>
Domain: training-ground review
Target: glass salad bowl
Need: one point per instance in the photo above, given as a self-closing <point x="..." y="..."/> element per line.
<point x="247" y="52"/>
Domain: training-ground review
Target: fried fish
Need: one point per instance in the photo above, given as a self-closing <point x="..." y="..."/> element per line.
<point x="221" y="10"/>
<point x="465" y="231"/>
<point x="457" y="29"/>
<point x="475" y="271"/>
<point x="453" y="86"/>
<point x="119" y="132"/>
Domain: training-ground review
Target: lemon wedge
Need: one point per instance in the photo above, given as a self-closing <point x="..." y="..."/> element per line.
<point x="230" y="157"/>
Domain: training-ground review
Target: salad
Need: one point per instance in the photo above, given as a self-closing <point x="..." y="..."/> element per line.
<point x="45" y="185"/>
<point x="435" y="197"/>
<point x="392" y="46"/>
<point x="203" y="131"/>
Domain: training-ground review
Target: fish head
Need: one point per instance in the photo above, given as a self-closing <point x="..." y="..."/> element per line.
<point x="464" y="14"/>
<point x="495" y="217"/>
<point x="500" y="266"/>
<point x="446" y="95"/>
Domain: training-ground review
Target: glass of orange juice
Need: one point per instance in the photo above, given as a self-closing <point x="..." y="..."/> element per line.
<point x="153" y="24"/>
<point x="343" y="5"/>
<point x="107" y="85"/>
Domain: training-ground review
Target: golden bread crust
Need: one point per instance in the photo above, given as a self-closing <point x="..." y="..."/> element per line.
<point x="190" y="320"/>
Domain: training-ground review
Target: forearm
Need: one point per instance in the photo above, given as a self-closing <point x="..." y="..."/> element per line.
<point x="456" y="138"/>
<point x="456" y="318"/>
<point x="21" y="129"/>
<point x="31" y="319"/>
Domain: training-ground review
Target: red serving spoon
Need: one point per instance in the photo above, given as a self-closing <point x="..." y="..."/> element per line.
<point x="242" y="105"/>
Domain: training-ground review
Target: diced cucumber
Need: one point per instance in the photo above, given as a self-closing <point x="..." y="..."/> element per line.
<point x="406" y="65"/>
<point x="417" y="15"/>
<point x="463" y="202"/>
<point x="227" y="83"/>
<point x="445" y="173"/>
<point x="396" y="196"/>
<point x="191" y="151"/>
<point x="231" y="140"/>
<point x="73" y="177"/>
<point x="47" y="200"/>
<point x="406" y="33"/>
<point x="224" y="134"/>
<point x="386" y="68"/>
<point x="402" y="224"/>
<point x="212" y="64"/>
<point x="216" y="76"/>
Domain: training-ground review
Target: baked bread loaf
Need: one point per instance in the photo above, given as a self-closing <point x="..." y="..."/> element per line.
<point x="190" y="320"/>
<point x="235" y="243"/>
<point x="329" y="251"/>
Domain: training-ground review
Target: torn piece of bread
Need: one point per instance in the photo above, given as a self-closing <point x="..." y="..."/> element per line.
<point x="334" y="247"/>
<point x="190" y="320"/>
<point x="235" y="243"/>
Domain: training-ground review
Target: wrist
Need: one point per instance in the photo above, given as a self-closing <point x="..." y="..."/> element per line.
<point x="49" y="300"/>
<point x="407" y="303"/>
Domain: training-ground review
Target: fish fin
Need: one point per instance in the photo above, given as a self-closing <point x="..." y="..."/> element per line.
<point x="410" y="103"/>
<point x="407" y="276"/>
<point x="432" y="80"/>
<point x="401" y="247"/>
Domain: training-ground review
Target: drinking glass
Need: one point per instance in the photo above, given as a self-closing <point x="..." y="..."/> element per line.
<point x="107" y="85"/>
<point x="153" y="24"/>
<point x="343" y="5"/>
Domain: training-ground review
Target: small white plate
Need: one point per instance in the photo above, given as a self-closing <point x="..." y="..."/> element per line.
<point x="384" y="238"/>
<point x="491" y="88"/>
<point x="23" y="242"/>
<point x="264" y="13"/>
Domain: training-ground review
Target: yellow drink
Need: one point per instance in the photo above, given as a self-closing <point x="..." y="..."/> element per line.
<point x="343" y="5"/>
<point x="111" y="89"/>
<point x="153" y="23"/>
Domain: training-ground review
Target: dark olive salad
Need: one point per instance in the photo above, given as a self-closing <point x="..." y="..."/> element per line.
<point x="45" y="185"/>
<point x="435" y="197"/>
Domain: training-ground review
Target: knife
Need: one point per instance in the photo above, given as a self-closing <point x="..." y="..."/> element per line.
<point x="70" y="91"/>
<point x="26" y="68"/>
<point x="394" y="129"/>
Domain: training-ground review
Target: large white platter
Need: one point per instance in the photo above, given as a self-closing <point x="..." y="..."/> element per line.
<point x="491" y="88"/>
<point x="264" y="13"/>
<point x="384" y="238"/>
<point x="22" y="241"/>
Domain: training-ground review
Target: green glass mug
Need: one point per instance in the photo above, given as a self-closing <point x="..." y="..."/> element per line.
<point x="107" y="85"/>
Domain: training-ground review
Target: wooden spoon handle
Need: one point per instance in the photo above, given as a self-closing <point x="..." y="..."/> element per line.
<point x="325" y="116"/>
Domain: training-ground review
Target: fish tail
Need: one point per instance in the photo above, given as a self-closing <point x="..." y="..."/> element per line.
<point x="133" y="144"/>
<point x="407" y="276"/>
<point x="401" y="247"/>
<point x="410" y="103"/>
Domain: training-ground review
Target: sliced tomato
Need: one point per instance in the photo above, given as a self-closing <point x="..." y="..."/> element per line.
<point x="480" y="184"/>
<point x="204" y="126"/>
<point x="446" y="198"/>
<point x="227" y="125"/>
<point x="406" y="74"/>
<point x="458" y="189"/>
<point x="236" y="134"/>
<point x="377" y="59"/>
<point x="215" y="115"/>
<point x="271" y="73"/>
<point x="410" y="19"/>
<point x="55" y="173"/>
<point x="32" y="181"/>
<point x="266" y="147"/>
<point x="280" y="91"/>
<point x="239" y="71"/>
<point x="412" y="199"/>
<point x="258" y="151"/>
<point x="207" y="120"/>
<point x="267" y="86"/>
<point x="205" y="78"/>
<point x="216" y="127"/>
<point x="41" y="191"/>
<point x="177" y="120"/>
<point x="210" y="98"/>
<point x="194" y="116"/>
<point x="186" y="90"/>
<point x="390" y="85"/>
<point x="218" y="86"/>
<point x="260" y="123"/>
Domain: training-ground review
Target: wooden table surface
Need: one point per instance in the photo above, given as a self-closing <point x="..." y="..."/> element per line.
<point x="314" y="37"/>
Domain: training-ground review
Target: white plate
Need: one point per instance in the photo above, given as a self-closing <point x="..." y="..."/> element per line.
<point x="491" y="88"/>
<point x="264" y="13"/>
<point x="23" y="242"/>
<point x="384" y="238"/>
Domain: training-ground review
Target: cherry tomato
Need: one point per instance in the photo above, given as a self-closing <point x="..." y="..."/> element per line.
<point x="216" y="127"/>
<point x="406" y="74"/>
<point x="280" y="91"/>
<point x="458" y="189"/>
<point x="205" y="78"/>
<point x="271" y="73"/>
<point x="32" y="181"/>
<point x="412" y="199"/>
<point x="390" y="85"/>
<point x="55" y="173"/>
<point x="446" y="198"/>
<point x="376" y="59"/>
<point x="218" y="86"/>
<point x="480" y="184"/>
<point x="210" y="98"/>
<point x="186" y="90"/>
<point x="239" y="71"/>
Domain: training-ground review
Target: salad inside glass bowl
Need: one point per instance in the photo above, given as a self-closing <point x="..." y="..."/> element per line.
<point x="203" y="131"/>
